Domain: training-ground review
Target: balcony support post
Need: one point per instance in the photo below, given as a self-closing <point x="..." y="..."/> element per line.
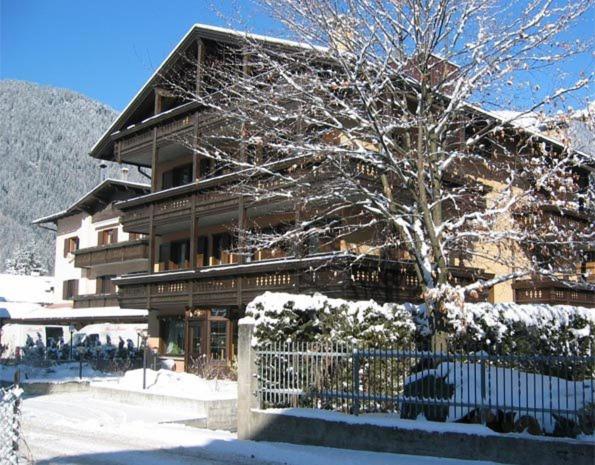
<point x="154" y="160"/>
<point x="193" y="232"/>
<point x="151" y="238"/>
<point x="242" y="243"/>
<point x="195" y="161"/>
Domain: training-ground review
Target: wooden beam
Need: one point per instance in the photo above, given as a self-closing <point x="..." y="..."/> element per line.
<point x="154" y="160"/>
<point x="200" y="58"/>
<point x="157" y="107"/>
<point x="195" y="160"/>
<point x="151" y="238"/>
<point x="242" y="225"/>
<point x="193" y="236"/>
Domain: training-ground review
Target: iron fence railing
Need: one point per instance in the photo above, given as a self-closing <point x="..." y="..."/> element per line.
<point x="102" y="358"/>
<point x="554" y="394"/>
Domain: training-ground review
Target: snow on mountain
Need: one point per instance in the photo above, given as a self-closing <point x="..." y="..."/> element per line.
<point x="45" y="136"/>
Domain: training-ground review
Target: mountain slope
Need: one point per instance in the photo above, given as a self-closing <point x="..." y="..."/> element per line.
<point x="45" y="135"/>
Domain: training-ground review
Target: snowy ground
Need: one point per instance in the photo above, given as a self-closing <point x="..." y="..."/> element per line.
<point x="75" y="428"/>
<point x="170" y="383"/>
<point x="61" y="373"/>
<point x="162" y="382"/>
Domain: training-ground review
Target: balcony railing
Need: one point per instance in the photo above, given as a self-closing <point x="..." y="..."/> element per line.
<point x="328" y="273"/>
<point x="95" y="300"/>
<point x="547" y="291"/>
<point x="212" y="195"/>
<point x="142" y="139"/>
<point x="111" y="253"/>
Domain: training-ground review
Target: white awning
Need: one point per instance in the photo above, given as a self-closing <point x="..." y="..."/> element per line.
<point x="23" y="312"/>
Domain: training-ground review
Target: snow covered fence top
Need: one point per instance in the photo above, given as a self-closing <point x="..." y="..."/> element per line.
<point x="559" y="329"/>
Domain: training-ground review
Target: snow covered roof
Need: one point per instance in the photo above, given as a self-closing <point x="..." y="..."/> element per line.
<point x="26" y="289"/>
<point x="28" y="312"/>
<point x="94" y="197"/>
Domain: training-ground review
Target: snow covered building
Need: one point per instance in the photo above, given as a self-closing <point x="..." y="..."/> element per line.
<point x="91" y="250"/>
<point x="193" y="283"/>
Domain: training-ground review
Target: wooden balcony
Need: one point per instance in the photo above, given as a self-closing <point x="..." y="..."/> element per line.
<point x="212" y="196"/>
<point x="95" y="300"/>
<point x="547" y="291"/>
<point x="111" y="253"/>
<point x="140" y="138"/>
<point x="237" y="284"/>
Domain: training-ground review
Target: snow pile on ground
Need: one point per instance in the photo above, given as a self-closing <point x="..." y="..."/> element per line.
<point x="55" y="374"/>
<point x="510" y="390"/>
<point x="170" y="383"/>
<point x="29" y="289"/>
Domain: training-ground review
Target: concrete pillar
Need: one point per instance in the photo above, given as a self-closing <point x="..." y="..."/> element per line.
<point x="247" y="381"/>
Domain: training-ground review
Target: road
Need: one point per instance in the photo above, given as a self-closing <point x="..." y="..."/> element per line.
<point x="75" y="428"/>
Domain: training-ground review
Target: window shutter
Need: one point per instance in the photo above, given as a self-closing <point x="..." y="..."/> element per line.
<point x="65" y="247"/>
<point x="115" y="235"/>
<point x="65" y="290"/>
<point x="100" y="238"/>
<point x="75" y="287"/>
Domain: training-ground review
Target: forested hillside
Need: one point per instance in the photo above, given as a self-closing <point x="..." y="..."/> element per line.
<point x="45" y="136"/>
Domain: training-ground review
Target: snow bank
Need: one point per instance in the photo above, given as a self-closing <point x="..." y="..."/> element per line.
<point x="510" y="390"/>
<point x="169" y="383"/>
<point x="26" y="289"/>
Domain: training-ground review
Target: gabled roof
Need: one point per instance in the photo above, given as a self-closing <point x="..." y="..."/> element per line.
<point x="198" y="31"/>
<point x="96" y="199"/>
<point x="103" y="148"/>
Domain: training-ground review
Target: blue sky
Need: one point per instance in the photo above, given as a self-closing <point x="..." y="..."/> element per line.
<point x="106" y="49"/>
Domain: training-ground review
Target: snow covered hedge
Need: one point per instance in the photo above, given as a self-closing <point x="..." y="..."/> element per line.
<point x="525" y="329"/>
<point x="282" y="317"/>
<point x="505" y="328"/>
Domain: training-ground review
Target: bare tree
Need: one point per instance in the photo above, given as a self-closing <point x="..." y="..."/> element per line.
<point x="375" y="123"/>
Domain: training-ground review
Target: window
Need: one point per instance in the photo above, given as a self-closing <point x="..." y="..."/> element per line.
<point x="172" y="330"/>
<point x="107" y="236"/>
<point x="105" y="285"/>
<point x="177" y="176"/>
<point x="218" y="333"/>
<point x="135" y="236"/>
<point x="175" y="254"/>
<point x="205" y="167"/>
<point x="221" y="243"/>
<point x="202" y="250"/>
<point x="70" y="245"/>
<point x="70" y="289"/>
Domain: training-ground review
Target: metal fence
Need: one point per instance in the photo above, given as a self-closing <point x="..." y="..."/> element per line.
<point x="108" y="359"/>
<point x="10" y="425"/>
<point x="548" y="394"/>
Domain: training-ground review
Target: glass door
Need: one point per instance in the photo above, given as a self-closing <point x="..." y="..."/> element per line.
<point x="195" y="339"/>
